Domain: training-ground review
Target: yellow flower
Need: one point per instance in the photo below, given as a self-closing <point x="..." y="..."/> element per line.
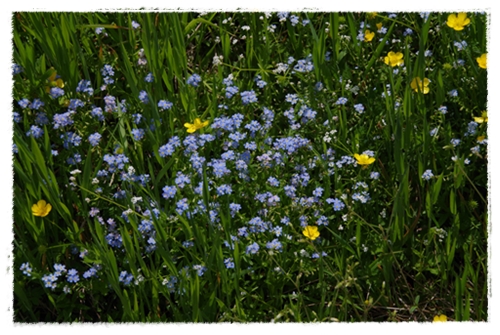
<point x="394" y="58"/>
<point x="482" y="118"/>
<point x="192" y="127"/>
<point x="418" y="85"/>
<point x="369" y="35"/>
<point x="42" y="208"/>
<point x="372" y="15"/>
<point x="311" y="232"/>
<point x="53" y="82"/>
<point x="481" y="61"/>
<point x="458" y="21"/>
<point x="440" y="318"/>
<point x="364" y="159"/>
<point x="480" y="138"/>
<point x="379" y="26"/>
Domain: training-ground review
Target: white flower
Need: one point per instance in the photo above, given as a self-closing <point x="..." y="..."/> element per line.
<point x="136" y="199"/>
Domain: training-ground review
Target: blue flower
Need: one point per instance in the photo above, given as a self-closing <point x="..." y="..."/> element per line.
<point x="138" y="134"/>
<point x="182" y="206"/>
<point x="318" y="192"/>
<point x="70" y="139"/>
<point x="219" y="168"/>
<point x="92" y="272"/>
<point x="231" y="91"/>
<point x="455" y="141"/>
<point x="273" y="181"/>
<point x="35" y="131"/>
<point x="243" y="231"/>
<point x="374" y="175"/>
<point x="143" y="96"/>
<point x="443" y="109"/>
<point x="181" y="180"/>
<point x="274" y="245"/>
<point x="303" y="65"/>
<point x="234" y="208"/>
<point x="56" y="92"/>
<point x="135" y="25"/>
<point x="72" y="276"/>
<point x="322" y="220"/>
<point x="248" y="97"/>
<point x="26" y="269"/>
<point x="36" y="104"/>
<point x="228" y="262"/>
<point x="17" y="117"/>
<point x="407" y="32"/>
<point x="16" y="69"/>
<point x="338" y="205"/>
<point x="42" y="119"/>
<point x="107" y="70"/>
<point x="125" y="278"/>
<point x="50" y="281"/>
<point x="23" y="103"/>
<point x="224" y="189"/>
<point x="453" y="93"/>
<point x="166" y="150"/>
<point x="362" y="197"/>
<point x="194" y="80"/>
<point x="460" y="45"/>
<point x="187" y="244"/>
<point x="149" y="78"/>
<point x="84" y="87"/>
<point x="169" y="192"/>
<point x="75" y="103"/>
<point x="164" y="104"/>
<point x="252" y="248"/>
<point x="94" y="139"/>
<point x="341" y="100"/>
<point x="359" y="108"/>
<point x="427" y="175"/>
<point x="200" y="269"/>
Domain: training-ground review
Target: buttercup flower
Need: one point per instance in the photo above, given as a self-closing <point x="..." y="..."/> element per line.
<point x="53" y="82"/>
<point x="192" y="127"/>
<point x="481" y="61"/>
<point x="458" y="21"/>
<point x="440" y="318"/>
<point x="482" y="118"/>
<point x="394" y="58"/>
<point x="311" y="232"/>
<point x="364" y="159"/>
<point x="369" y="35"/>
<point x="42" y="208"/>
<point x="418" y="85"/>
